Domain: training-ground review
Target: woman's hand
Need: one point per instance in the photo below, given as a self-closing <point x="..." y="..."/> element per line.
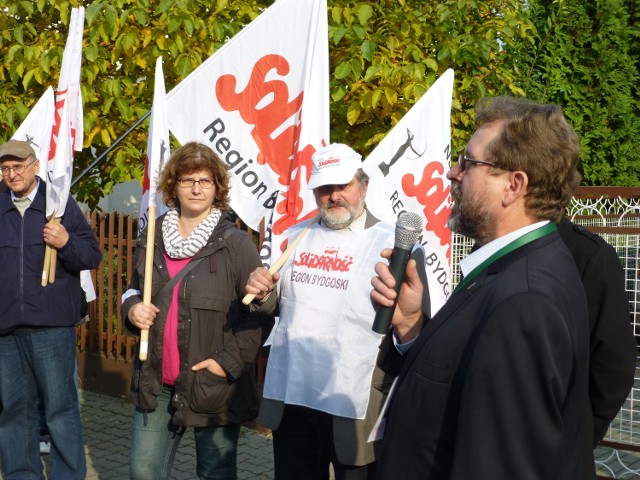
<point x="211" y="365"/>
<point x="143" y="316"/>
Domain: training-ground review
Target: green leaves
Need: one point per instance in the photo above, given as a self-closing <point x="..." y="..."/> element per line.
<point x="17" y="35"/>
<point x="384" y="56"/>
<point x="585" y="60"/>
<point x="365" y="12"/>
<point x="91" y="12"/>
<point x="367" y="49"/>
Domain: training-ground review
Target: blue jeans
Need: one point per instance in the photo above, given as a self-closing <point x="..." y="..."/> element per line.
<point x="44" y="431"/>
<point x="155" y="440"/>
<point x="32" y="364"/>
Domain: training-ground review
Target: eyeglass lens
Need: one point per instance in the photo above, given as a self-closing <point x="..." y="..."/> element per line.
<point x="17" y="169"/>
<point x="190" y="182"/>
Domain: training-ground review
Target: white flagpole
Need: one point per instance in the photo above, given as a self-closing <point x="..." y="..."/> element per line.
<point x="157" y="151"/>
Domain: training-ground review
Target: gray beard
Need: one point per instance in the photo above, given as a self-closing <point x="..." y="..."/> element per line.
<point x="339" y="219"/>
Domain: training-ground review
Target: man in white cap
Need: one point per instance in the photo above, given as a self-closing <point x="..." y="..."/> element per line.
<point x="323" y="391"/>
<point x="37" y="324"/>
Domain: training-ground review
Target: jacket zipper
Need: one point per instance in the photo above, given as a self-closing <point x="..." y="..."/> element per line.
<point x="21" y="257"/>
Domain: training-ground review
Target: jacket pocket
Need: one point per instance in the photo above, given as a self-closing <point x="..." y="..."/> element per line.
<point x="210" y="393"/>
<point x="209" y="302"/>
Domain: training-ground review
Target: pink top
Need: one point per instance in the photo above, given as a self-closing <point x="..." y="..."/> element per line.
<point x="170" y="353"/>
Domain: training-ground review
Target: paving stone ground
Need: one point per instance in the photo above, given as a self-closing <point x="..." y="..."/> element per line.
<point x="106" y="423"/>
<point x="106" y="427"/>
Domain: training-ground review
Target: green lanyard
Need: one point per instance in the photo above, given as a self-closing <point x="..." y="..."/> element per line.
<point x="517" y="243"/>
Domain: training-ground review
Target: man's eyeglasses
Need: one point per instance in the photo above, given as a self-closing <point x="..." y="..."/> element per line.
<point x="18" y="168"/>
<point x="464" y="162"/>
<point x="205" y="183"/>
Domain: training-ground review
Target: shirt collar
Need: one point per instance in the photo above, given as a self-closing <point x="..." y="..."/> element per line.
<point x="474" y="259"/>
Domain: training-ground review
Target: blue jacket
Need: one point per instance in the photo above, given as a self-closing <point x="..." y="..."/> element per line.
<point x="24" y="302"/>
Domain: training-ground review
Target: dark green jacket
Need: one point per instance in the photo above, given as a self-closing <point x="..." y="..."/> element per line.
<point x="212" y="323"/>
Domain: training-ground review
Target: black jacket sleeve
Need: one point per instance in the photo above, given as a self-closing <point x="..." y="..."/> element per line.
<point x="613" y="348"/>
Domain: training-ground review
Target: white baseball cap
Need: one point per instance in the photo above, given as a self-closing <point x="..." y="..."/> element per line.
<point x="335" y="164"/>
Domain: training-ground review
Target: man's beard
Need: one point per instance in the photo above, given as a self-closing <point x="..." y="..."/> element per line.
<point x="470" y="215"/>
<point x="338" y="218"/>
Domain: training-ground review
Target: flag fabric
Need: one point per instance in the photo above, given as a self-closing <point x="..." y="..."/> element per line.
<point x="36" y="129"/>
<point x="407" y="172"/>
<point x="67" y="132"/>
<point x="72" y="82"/>
<point x="86" y="282"/>
<point x="158" y="150"/>
<point x="59" y="170"/>
<point x="261" y="102"/>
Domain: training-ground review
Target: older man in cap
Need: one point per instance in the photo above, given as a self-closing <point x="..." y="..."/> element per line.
<point x="37" y="334"/>
<point x="322" y="390"/>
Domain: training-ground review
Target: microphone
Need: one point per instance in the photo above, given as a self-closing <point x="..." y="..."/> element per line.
<point x="408" y="229"/>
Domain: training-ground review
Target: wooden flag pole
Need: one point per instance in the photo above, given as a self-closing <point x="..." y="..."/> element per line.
<point x="277" y="265"/>
<point x="148" y="272"/>
<point x="45" y="267"/>
<point x="54" y="256"/>
<point x="47" y="260"/>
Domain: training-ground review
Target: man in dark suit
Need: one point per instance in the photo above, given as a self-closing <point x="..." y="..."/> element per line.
<point x="613" y="351"/>
<point x="495" y="385"/>
<point x="613" y="348"/>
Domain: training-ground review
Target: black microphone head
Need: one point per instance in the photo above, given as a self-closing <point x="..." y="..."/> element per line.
<point x="408" y="229"/>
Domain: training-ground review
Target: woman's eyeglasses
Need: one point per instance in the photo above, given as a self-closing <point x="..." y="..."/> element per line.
<point x="205" y="183"/>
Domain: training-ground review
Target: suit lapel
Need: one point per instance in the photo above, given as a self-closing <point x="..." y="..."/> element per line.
<point x="461" y="296"/>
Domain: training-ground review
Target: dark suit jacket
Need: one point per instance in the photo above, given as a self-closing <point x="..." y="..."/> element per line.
<point x="612" y="345"/>
<point x="520" y="407"/>
<point x="349" y="435"/>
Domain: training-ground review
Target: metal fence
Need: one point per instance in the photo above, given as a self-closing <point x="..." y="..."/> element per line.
<point x="615" y="215"/>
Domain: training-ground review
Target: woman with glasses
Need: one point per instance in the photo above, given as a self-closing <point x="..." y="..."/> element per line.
<point x="202" y="340"/>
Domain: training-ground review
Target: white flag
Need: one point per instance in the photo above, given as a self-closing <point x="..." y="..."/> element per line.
<point x="407" y="172"/>
<point x="261" y="102"/>
<point x="68" y="119"/>
<point x="158" y="150"/>
<point x="59" y="170"/>
<point x="70" y="77"/>
<point x="36" y="129"/>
